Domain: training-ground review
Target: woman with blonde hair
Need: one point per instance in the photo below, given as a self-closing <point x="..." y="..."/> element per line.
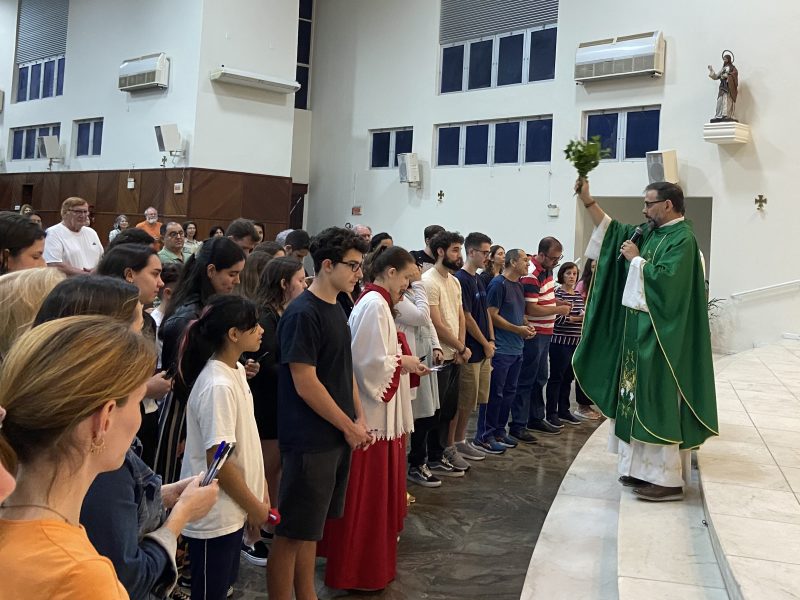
<point x="74" y="420"/>
<point x="21" y="296"/>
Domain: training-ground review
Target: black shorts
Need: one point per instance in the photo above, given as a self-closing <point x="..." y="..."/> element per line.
<point x="313" y="489"/>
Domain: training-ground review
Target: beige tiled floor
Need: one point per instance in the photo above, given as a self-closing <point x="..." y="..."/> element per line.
<point x="751" y="473"/>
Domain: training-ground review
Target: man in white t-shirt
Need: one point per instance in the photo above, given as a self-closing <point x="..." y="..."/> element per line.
<point x="72" y="245"/>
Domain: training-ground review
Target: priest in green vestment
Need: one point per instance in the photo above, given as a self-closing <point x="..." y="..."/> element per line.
<point x="645" y="354"/>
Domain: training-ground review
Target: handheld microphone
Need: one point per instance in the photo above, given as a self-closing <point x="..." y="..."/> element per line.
<point x="637" y="235"/>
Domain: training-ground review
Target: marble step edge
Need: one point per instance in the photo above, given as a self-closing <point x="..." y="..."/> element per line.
<point x="728" y="576"/>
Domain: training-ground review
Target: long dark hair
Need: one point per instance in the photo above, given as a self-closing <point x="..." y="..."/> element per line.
<point x="490" y="264"/>
<point x="208" y="333"/>
<point x="384" y="258"/>
<point x="588" y="273"/>
<point x="221" y="252"/>
<point x="89" y="295"/>
<point x="270" y="293"/>
<point x="254" y="266"/>
<point x="17" y="232"/>
<point x="127" y="256"/>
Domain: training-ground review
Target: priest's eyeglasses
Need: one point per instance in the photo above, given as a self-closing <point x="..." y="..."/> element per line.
<point x="649" y="203"/>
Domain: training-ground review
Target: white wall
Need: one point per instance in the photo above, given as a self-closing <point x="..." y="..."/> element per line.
<point x="226" y="127"/>
<point x="238" y="128"/>
<point x="101" y="34"/>
<point x="375" y="66"/>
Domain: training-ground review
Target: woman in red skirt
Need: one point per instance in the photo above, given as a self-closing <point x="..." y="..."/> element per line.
<point x="361" y="547"/>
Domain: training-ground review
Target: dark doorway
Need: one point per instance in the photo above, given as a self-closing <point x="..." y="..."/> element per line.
<point x="298" y="205"/>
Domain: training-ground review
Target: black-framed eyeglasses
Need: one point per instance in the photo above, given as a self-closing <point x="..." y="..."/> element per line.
<point x="484" y="252"/>
<point x="175" y="234"/>
<point x="555" y="259"/>
<point x="355" y="266"/>
<point x="649" y="203"/>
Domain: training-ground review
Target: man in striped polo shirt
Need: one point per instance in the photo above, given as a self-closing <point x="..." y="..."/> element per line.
<point x="541" y="308"/>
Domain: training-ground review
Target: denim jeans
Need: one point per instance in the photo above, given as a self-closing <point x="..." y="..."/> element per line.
<point x="493" y="417"/>
<point x="559" y="384"/>
<point x="528" y="405"/>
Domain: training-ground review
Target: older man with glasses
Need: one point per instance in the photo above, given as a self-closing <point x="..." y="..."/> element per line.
<point x="72" y="245"/>
<point x="152" y="225"/>
<point x="541" y="308"/>
<point x="174" y="240"/>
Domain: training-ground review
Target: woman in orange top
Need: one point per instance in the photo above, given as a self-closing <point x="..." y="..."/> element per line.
<point x="71" y="390"/>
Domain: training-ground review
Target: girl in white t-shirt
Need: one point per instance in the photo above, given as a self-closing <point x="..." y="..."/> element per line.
<point x="220" y="408"/>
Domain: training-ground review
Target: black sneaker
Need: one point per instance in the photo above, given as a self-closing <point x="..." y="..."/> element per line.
<point x="443" y="468"/>
<point x="569" y="419"/>
<point x="257" y="554"/>
<point x="523" y="437"/>
<point x="422" y="476"/>
<point x="554" y="421"/>
<point x="543" y="428"/>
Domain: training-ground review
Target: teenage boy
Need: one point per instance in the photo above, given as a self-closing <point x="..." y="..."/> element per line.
<point x="244" y="233"/>
<point x="475" y="374"/>
<point x="319" y="413"/>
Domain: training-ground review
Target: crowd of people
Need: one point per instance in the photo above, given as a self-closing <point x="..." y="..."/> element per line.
<point x="127" y="370"/>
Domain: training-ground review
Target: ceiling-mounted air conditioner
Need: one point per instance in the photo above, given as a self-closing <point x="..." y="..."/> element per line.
<point x="255" y="80"/>
<point x="623" y="56"/>
<point x="151" y="71"/>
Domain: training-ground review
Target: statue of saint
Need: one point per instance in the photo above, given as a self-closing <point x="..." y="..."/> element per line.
<point x="728" y="77"/>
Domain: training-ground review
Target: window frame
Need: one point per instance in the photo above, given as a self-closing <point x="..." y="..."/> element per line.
<point x="42" y="63"/>
<point x="392" y="131"/>
<point x="467" y="44"/>
<point x="491" y="142"/>
<point x="92" y="123"/>
<point x="622" y="129"/>
<point x="310" y="53"/>
<point x="53" y="129"/>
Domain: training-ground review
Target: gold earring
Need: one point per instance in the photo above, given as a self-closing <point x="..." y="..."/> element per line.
<point x="97" y="447"/>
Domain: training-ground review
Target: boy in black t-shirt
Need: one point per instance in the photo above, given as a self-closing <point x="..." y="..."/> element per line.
<point x="320" y="420"/>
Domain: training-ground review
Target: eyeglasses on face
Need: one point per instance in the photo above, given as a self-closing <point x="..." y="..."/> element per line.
<point x="78" y="211"/>
<point x="649" y="203"/>
<point x="555" y="259"/>
<point x="355" y="266"/>
<point x="175" y="234"/>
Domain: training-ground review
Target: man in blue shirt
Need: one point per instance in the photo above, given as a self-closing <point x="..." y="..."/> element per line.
<point x="474" y="376"/>
<point x="506" y="300"/>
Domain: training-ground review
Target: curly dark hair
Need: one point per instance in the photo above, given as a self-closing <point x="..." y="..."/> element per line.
<point x="443" y="240"/>
<point x="333" y="243"/>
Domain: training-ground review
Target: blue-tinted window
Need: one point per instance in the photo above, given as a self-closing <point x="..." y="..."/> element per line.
<point x="304" y="42"/>
<point x="543" y="55"/>
<point x="30" y="143"/>
<point x="641" y="135"/>
<point x="22" y="84"/>
<point x="16" y="146"/>
<point x="36" y="81"/>
<point x="509" y="60"/>
<point x="84" y="131"/>
<point x="380" y="149"/>
<point x="477" y="147"/>
<point x="56" y="131"/>
<point x="452" y="69"/>
<point x="538" y="140"/>
<point x="60" y="77"/>
<point x="301" y="96"/>
<point x="448" y="146"/>
<point x="480" y="64"/>
<point x="606" y="127"/>
<point x="402" y="142"/>
<point x="49" y="78"/>
<point x="506" y="143"/>
<point x="97" y="138"/>
<point x="305" y="9"/>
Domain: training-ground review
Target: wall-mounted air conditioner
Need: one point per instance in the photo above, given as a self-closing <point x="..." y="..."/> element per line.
<point x="662" y="165"/>
<point x="151" y="71"/>
<point x="408" y="164"/>
<point x="623" y="56"/>
<point x="255" y="80"/>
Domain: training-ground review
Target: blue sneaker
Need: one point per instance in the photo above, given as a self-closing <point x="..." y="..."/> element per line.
<point x="505" y="441"/>
<point x="490" y="447"/>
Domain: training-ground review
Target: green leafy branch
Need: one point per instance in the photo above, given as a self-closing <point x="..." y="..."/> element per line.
<point x="585" y="156"/>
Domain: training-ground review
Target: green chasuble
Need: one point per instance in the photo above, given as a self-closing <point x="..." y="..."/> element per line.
<point x="651" y="372"/>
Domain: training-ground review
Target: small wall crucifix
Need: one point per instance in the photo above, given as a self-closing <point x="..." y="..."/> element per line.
<point x="760" y="202"/>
